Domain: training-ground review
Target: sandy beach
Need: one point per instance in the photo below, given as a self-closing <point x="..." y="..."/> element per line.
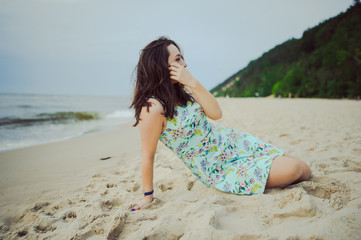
<point x="64" y="190"/>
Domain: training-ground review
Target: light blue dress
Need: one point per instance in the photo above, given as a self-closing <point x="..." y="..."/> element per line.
<point x="220" y="157"/>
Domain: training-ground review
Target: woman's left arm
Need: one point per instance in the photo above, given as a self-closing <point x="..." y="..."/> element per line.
<point x="198" y="92"/>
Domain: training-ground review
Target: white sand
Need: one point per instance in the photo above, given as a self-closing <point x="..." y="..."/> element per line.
<point x="63" y="191"/>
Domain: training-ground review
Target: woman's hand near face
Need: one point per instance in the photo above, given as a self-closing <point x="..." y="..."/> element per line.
<point x="180" y="74"/>
<point x="209" y="104"/>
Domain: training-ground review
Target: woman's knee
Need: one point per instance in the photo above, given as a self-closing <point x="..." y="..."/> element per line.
<point x="284" y="171"/>
<point x="295" y="171"/>
<point x="306" y="171"/>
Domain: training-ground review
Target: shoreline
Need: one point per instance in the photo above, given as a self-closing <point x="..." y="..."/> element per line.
<point x="30" y="120"/>
<point x="63" y="190"/>
<point x="86" y="134"/>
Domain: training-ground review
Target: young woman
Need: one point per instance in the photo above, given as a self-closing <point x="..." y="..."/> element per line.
<point x="172" y="106"/>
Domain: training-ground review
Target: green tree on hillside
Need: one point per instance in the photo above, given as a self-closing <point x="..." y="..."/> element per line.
<point x="325" y="62"/>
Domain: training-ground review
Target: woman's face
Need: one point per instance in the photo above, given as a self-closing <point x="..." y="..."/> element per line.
<point x="175" y="56"/>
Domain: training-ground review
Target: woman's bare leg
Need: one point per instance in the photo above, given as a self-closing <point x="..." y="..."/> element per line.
<point x="286" y="170"/>
<point x="305" y="169"/>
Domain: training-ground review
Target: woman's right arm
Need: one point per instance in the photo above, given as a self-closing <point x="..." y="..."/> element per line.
<point x="150" y="128"/>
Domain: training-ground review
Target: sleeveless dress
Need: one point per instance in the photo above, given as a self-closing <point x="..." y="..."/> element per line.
<point x="220" y="157"/>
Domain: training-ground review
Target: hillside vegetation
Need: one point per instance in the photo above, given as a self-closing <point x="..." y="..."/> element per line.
<point x="325" y="62"/>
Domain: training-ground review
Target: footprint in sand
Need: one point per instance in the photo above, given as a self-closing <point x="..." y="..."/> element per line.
<point x="69" y="215"/>
<point x="136" y="187"/>
<point x="133" y="188"/>
<point x="44" y="228"/>
<point x="105" y="192"/>
<point x="109" y="228"/>
<point x="109" y="204"/>
<point x="117" y="227"/>
<point x="190" y="185"/>
<point x="284" y="135"/>
<point x="118" y="172"/>
<point x="327" y="188"/>
<point x="56" y="207"/>
<point x="92" y="219"/>
<point x="340" y="164"/>
<point x="23" y="232"/>
<point x="111" y="185"/>
<point x="236" y="220"/>
<point x="163" y="228"/>
<point x="293" y="202"/>
<point x="84" y="235"/>
<point x="166" y="187"/>
<point x="39" y="205"/>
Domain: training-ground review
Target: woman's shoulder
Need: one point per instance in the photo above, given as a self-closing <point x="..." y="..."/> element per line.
<point x="155" y="107"/>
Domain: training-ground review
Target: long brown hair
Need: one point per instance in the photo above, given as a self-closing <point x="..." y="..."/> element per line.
<point x="153" y="80"/>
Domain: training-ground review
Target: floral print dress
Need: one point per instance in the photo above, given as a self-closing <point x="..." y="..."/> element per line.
<point x="220" y="157"/>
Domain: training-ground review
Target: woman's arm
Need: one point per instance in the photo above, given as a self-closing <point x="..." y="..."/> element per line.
<point x="198" y="92"/>
<point x="150" y="128"/>
<point x="205" y="99"/>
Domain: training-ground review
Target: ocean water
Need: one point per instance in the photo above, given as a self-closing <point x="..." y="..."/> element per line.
<point x="28" y="120"/>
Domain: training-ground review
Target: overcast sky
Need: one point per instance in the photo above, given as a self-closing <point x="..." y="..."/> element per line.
<point x="91" y="47"/>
